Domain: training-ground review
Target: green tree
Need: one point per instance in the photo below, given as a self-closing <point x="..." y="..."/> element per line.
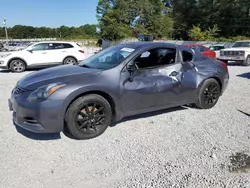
<point x="83" y="32"/>
<point x="196" y="33"/>
<point x="119" y="19"/>
<point x="231" y="17"/>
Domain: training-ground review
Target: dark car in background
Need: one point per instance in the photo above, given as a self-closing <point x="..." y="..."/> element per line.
<point x="117" y="82"/>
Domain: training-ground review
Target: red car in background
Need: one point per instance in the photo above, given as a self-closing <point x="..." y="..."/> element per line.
<point x="202" y="49"/>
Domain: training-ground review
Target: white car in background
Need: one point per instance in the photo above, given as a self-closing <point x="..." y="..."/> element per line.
<point x="217" y="48"/>
<point x="239" y="52"/>
<point x="41" y="55"/>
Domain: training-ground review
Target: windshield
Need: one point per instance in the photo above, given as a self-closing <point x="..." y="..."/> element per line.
<point x="241" y="44"/>
<point x="108" y="58"/>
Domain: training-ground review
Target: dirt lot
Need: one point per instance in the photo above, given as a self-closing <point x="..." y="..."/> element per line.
<point x="181" y="147"/>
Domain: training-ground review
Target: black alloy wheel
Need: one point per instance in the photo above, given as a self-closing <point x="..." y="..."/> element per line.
<point x="209" y="94"/>
<point x="88" y="116"/>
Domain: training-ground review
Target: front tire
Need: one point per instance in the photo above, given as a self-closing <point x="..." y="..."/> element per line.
<point x="17" y="65"/>
<point x="247" y="61"/>
<point x="88" y="117"/>
<point x="208" y="94"/>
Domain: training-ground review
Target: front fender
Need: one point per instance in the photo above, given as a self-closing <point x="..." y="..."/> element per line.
<point x="68" y="95"/>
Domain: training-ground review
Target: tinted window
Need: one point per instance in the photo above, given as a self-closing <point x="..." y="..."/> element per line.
<point x="199" y="48"/>
<point x="42" y="46"/>
<point x="216" y="48"/>
<point x="66" y="45"/>
<point x="202" y="49"/>
<point x="241" y="44"/>
<point x="220" y="47"/>
<point x="186" y="56"/>
<point x="56" y="46"/>
<point x="196" y="48"/>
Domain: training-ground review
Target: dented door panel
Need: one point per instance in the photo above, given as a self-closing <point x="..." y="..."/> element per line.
<point x="157" y="87"/>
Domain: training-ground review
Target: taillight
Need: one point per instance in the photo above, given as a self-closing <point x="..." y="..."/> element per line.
<point x="81" y="51"/>
<point x="224" y="65"/>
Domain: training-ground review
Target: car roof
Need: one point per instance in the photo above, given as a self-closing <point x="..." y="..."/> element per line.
<point x="56" y="42"/>
<point x="147" y="44"/>
<point x="193" y="44"/>
<point x="217" y="45"/>
<point x="242" y="41"/>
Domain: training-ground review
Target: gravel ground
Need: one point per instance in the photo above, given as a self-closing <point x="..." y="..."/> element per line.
<point x="181" y="147"/>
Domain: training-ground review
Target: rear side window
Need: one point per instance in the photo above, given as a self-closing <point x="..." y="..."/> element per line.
<point x="186" y="56"/>
<point x="202" y="49"/>
<point x="56" y="46"/>
<point x="67" y="45"/>
<point x="199" y="48"/>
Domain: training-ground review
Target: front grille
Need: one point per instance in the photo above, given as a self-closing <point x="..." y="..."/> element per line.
<point x="18" y="91"/>
<point x="231" y="53"/>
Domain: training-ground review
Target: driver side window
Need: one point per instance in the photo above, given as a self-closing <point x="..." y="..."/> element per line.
<point x="155" y="58"/>
<point x="42" y="46"/>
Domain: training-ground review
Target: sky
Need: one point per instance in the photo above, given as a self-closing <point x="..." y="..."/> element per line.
<point x="49" y="13"/>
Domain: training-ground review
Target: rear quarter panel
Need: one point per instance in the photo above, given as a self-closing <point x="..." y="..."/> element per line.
<point x="211" y="68"/>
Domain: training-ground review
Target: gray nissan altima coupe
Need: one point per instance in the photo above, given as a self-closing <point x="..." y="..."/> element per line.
<point x="120" y="81"/>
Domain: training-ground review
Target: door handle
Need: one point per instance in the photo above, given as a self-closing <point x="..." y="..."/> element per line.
<point x="174" y="73"/>
<point x="44" y="53"/>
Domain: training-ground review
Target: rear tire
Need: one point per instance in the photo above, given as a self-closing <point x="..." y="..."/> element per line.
<point x="209" y="94"/>
<point x="247" y="61"/>
<point x="69" y="61"/>
<point x="88" y="117"/>
<point x="17" y="65"/>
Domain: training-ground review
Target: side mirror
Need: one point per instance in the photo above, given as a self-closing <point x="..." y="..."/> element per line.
<point x="132" y="68"/>
<point x="30" y="50"/>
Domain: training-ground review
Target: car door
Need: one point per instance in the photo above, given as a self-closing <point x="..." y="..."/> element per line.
<point x="39" y="54"/>
<point x="57" y="53"/>
<point x="154" y="87"/>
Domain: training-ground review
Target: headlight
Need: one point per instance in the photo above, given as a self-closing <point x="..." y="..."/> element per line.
<point x="241" y="52"/>
<point x="221" y="53"/>
<point x="44" y="92"/>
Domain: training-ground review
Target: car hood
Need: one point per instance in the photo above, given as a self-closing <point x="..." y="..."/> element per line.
<point x="63" y="73"/>
<point x="236" y="49"/>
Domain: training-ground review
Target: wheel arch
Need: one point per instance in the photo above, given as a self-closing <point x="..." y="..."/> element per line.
<point x="105" y="95"/>
<point x="71" y="57"/>
<point x="14" y="58"/>
<point x="219" y="82"/>
<point x="212" y="77"/>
